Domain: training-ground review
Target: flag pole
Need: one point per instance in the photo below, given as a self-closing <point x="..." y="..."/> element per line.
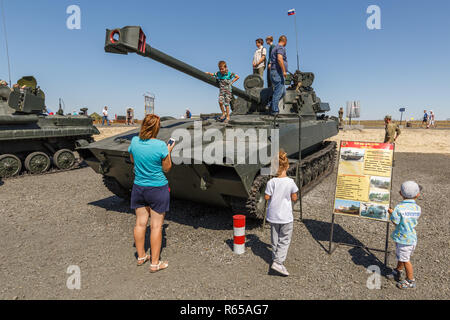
<point x="6" y="41"/>
<point x="296" y="38"/>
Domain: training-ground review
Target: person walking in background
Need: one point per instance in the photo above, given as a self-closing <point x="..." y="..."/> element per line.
<point x="259" y="58"/>
<point x="105" y="116"/>
<point x="392" y="130"/>
<point x="188" y="114"/>
<point x="150" y="196"/>
<point x="278" y="70"/>
<point x="269" y="41"/>
<point x="431" y="120"/>
<point x="405" y="216"/>
<point x="425" y="118"/>
<point x="280" y="192"/>
<point x="130" y="116"/>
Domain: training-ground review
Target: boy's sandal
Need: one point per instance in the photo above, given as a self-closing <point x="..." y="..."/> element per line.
<point x="158" y="267"/>
<point x="143" y="260"/>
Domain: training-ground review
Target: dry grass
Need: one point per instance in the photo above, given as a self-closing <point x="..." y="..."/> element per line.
<point x="414" y="124"/>
<point x="109" y="131"/>
<point x="410" y="140"/>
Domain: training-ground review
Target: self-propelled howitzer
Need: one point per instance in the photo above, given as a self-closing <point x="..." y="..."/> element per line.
<point x="33" y="141"/>
<point x="225" y="183"/>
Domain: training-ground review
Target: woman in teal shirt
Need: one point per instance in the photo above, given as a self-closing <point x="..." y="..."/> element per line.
<point x="150" y="195"/>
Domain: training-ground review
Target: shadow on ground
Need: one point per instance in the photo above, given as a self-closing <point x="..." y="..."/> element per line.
<point x="147" y="240"/>
<point x="184" y="212"/>
<point x="320" y="231"/>
<point x="113" y="203"/>
<point x="258" y="247"/>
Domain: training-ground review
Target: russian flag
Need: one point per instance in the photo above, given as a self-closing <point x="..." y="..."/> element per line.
<point x="291" y="12"/>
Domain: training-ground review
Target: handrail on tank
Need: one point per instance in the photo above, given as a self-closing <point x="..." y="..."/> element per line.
<point x="132" y="39"/>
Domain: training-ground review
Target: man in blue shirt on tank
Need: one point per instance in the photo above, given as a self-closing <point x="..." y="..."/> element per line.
<point x="278" y="71"/>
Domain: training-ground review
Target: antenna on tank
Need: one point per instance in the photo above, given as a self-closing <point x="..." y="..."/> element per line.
<point x="61" y="109"/>
<point x="6" y="41"/>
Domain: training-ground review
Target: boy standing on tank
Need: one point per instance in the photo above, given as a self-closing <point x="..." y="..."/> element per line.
<point x="225" y="80"/>
<point x="405" y="216"/>
<point x="280" y="192"/>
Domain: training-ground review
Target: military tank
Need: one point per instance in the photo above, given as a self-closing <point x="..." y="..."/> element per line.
<point x="348" y="155"/>
<point x="31" y="141"/>
<point x="225" y="183"/>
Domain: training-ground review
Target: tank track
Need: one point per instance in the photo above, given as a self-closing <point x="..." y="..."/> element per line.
<point x="79" y="164"/>
<point x="112" y="185"/>
<point x="315" y="168"/>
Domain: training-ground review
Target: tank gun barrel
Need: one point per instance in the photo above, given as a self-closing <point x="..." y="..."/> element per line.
<point x="132" y="39"/>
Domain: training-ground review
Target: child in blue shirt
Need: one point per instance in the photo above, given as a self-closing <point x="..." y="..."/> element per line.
<point x="405" y="216"/>
<point x="225" y="80"/>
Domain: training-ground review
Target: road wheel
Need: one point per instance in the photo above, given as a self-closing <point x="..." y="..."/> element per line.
<point x="64" y="159"/>
<point x="10" y="165"/>
<point x="37" y="162"/>
<point x="256" y="204"/>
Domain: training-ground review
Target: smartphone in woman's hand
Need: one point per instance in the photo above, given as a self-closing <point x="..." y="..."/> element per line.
<point x="171" y="142"/>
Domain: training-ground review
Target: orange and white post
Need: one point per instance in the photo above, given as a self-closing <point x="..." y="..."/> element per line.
<point x="239" y="234"/>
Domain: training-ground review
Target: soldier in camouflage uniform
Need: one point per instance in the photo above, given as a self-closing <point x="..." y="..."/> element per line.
<point x="225" y="80"/>
<point x="392" y="130"/>
<point x="341" y="117"/>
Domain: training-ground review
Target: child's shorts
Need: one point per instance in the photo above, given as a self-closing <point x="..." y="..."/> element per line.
<point x="225" y="97"/>
<point x="404" y="252"/>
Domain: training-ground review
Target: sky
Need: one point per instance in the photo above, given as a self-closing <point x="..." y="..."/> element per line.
<point x="404" y="64"/>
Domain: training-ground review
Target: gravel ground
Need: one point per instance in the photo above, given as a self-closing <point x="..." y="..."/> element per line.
<point x="50" y="222"/>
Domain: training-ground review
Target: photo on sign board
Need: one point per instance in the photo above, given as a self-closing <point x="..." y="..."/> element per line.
<point x="347" y="207"/>
<point x="377" y="183"/>
<point x="352" y="154"/>
<point x="374" y="211"/>
<point x="377" y="196"/>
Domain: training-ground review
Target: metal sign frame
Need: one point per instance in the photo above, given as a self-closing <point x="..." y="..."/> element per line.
<point x="299" y="171"/>
<point x="386" y="251"/>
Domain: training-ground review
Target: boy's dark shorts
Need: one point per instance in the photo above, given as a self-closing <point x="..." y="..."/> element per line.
<point x="157" y="198"/>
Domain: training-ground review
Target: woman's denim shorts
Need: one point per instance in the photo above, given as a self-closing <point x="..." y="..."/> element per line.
<point x="157" y="198"/>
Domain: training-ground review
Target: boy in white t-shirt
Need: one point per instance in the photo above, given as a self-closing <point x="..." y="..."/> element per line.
<point x="280" y="192"/>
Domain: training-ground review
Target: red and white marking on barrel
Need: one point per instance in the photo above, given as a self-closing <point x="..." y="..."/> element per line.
<point x="239" y="234"/>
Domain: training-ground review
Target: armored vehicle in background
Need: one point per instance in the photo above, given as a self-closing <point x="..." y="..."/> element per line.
<point x="228" y="182"/>
<point x="32" y="140"/>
